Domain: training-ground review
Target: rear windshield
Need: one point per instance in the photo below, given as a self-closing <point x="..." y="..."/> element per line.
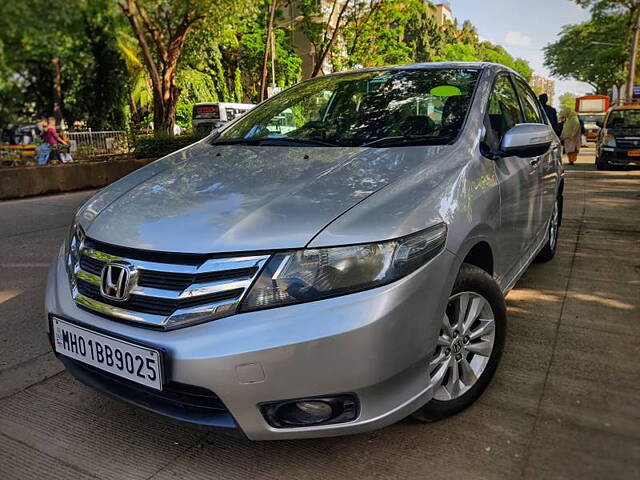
<point x="356" y="109"/>
<point x="624" y="119"/>
<point x="206" y="111"/>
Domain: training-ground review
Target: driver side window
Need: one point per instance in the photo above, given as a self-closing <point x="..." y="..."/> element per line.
<point x="504" y="111"/>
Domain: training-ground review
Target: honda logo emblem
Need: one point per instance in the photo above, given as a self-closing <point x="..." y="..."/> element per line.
<point x="115" y="281"/>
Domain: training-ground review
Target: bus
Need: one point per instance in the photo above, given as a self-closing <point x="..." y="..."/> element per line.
<point x="207" y="116"/>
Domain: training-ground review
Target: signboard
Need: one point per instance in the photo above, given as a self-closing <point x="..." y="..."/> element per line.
<point x="636" y="91"/>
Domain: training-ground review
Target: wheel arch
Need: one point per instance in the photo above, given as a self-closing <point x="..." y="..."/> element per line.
<point x="480" y="254"/>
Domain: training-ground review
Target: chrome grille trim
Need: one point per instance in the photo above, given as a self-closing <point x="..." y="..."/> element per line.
<point x="212" y="265"/>
<point x="220" y="296"/>
<point x="194" y="290"/>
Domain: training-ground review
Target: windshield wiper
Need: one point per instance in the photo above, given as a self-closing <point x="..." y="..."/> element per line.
<point x="407" y="140"/>
<point x="274" y="141"/>
<point x="236" y="141"/>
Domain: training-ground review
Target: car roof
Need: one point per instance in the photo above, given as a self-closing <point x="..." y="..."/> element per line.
<point x="626" y="107"/>
<point x="432" y="65"/>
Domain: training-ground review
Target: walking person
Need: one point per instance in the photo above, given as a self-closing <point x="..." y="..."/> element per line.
<point x="51" y="138"/>
<point x="551" y="112"/>
<point x="571" y="136"/>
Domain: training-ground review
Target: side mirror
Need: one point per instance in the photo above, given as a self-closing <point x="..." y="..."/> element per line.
<point x="599" y="123"/>
<point x="527" y="140"/>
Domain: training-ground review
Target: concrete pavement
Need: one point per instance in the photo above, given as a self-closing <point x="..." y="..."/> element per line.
<point x="564" y="404"/>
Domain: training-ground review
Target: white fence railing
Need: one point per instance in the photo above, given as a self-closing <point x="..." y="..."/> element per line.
<point x="94" y="144"/>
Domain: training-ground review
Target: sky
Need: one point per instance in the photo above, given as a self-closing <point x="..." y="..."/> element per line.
<point x="524" y="28"/>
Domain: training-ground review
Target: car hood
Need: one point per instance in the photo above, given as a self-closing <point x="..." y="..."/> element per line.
<point x="231" y="198"/>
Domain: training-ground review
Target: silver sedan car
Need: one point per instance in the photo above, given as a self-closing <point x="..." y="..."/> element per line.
<point x="329" y="263"/>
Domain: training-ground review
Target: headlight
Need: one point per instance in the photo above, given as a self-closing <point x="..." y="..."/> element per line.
<point x="311" y="274"/>
<point x="72" y="247"/>
<point x="609" y="141"/>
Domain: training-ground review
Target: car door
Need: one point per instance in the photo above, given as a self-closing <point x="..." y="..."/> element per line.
<point x="517" y="180"/>
<point x="544" y="165"/>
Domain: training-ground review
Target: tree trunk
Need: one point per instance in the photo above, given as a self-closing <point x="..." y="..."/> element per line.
<point x="265" y="58"/>
<point x="168" y="52"/>
<point x="135" y="117"/>
<point x="323" y="56"/>
<point x="57" y="90"/>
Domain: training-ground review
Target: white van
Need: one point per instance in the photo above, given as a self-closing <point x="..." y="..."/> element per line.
<point x="206" y="116"/>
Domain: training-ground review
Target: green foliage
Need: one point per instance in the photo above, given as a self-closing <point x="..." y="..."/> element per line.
<point x="593" y="52"/>
<point x="458" y="52"/>
<point x="106" y="83"/>
<point x="234" y="58"/>
<point x="567" y="104"/>
<point x="160" y="145"/>
<point x="607" y="7"/>
<point x="195" y="87"/>
<point x="374" y="32"/>
<point x="495" y="53"/>
<point x="80" y="34"/>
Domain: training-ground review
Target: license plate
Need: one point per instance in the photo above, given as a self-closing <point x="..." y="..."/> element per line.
<point x="634" y="153"/>
<point x="124" y="359"/>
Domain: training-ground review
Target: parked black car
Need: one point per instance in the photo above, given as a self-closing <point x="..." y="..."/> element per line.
<point x="619" y="139"/>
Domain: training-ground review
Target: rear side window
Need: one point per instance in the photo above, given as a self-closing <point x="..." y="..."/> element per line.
<point x="504" y="110"/>
<point x="529" y="104"/>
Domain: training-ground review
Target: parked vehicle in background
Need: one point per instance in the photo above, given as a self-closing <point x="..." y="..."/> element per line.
<point x="330" y="263"/>
<point x="591" y="109"/>
<point x="619" y="139"/>
<point x="207" y="116"/>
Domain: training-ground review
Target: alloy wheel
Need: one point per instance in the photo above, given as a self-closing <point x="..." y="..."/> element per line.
<point x="464" y="346"/>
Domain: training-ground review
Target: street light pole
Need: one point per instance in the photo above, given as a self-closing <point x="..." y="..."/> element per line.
<point x="632" y="60"/>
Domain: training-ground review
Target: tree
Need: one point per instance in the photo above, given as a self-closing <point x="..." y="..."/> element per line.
<point x="234" y="57"/>
<point x="426" y="39"/>
<point x="64" y="63"/>
<point x="567" y="103"/>
<point x="374" y="32"/>
<point x="162" y="29"/>
<point x="630" y="10"/>
<point x="322" y="34"/>
<point x="594" y="52"/>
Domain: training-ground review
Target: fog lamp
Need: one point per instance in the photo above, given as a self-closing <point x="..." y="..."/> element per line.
<point x="311" y="411"/>
<point x="305" y="413"/>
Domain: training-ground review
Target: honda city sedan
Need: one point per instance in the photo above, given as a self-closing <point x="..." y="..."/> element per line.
<point x="330" y="262"/>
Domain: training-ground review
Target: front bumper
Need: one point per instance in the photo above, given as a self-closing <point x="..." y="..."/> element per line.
<point x="374" y="344"/>
<point x="618" y="156"/>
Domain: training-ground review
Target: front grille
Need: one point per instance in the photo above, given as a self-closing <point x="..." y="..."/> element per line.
<point x="91" y="265"/>
<point x="169" y="281"/>
<point x="180" y="281"/>
<point x="193" y="288"/>
<point x="154" y="306"/>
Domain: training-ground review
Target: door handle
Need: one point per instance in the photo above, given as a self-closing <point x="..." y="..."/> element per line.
<point x="534" y="161"/>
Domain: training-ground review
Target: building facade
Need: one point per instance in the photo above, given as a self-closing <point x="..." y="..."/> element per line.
<point x="544" y="85"/>
<point x="444" y="14"/>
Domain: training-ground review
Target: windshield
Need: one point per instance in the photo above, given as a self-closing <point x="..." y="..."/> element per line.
<point x="356" y="109"/>
<point x="624" y="119"/>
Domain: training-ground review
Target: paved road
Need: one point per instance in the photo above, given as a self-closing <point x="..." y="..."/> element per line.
<point x="564" y="404"/>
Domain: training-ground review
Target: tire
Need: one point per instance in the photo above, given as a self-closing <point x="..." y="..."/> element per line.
<point x="479" y="286"/>
<point x="602" y="164"/>
<point x="549" y="250"/>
